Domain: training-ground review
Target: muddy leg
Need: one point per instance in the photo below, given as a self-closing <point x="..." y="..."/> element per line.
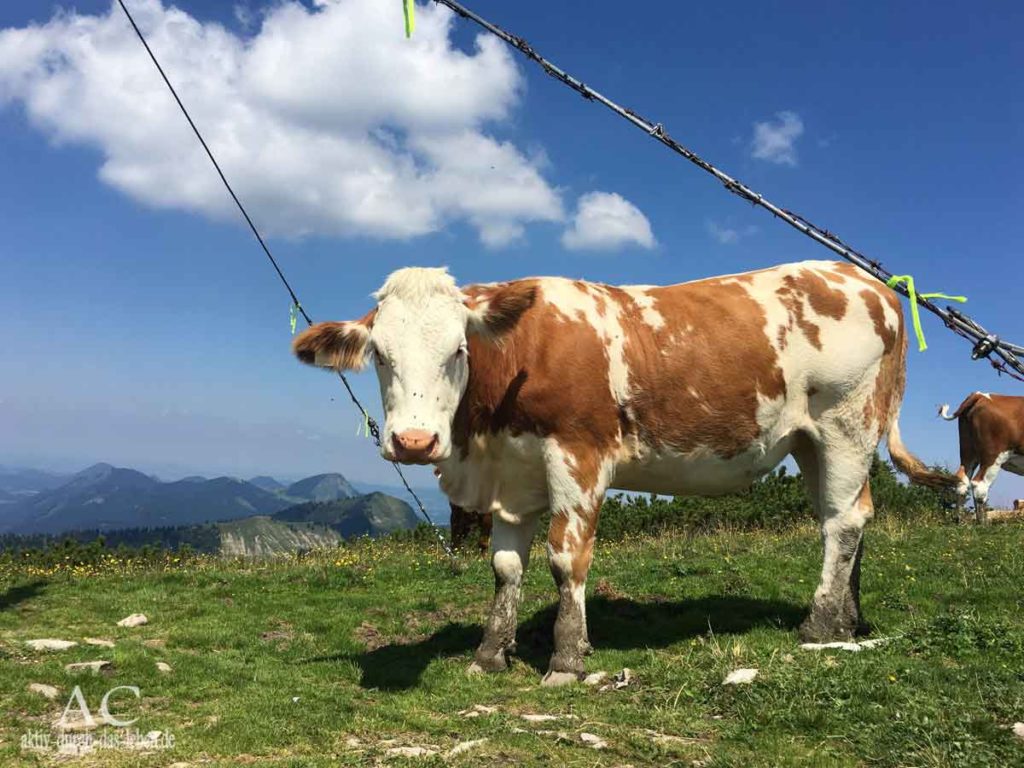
<point x="511" y="554"/>
<point x="845" y="509"/>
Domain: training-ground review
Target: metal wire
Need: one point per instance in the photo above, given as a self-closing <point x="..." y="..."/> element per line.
<point x="371" y="423"/>
<point x="985" y="343"/>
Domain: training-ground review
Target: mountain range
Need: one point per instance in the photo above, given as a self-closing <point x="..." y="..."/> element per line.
<point x="105" y="498"/>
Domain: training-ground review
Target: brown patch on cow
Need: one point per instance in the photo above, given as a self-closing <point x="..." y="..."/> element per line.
<point x="713" y="341"/>
<point x="341" y="346"/>
<point x="890" y="381"/>
<point x="831" y="276"/>
<point x="547" y="376"/>
<point x="810" y="287"/>
<point x="505" y="304"/>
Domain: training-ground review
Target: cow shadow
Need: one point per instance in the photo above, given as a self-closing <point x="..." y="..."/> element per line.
<point x="615" y="623"/>
<point x="15" y="595"/>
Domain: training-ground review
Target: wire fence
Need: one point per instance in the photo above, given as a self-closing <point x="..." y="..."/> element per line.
<point x="371" y="424"/>
<point x="986" y="345"/>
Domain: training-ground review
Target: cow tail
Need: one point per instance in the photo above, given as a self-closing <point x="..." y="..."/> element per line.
<point x="965" y="406"/>
<point x="911" y="466"/>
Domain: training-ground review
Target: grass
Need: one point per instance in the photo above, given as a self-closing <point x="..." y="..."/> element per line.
<point x="338" y="657"/>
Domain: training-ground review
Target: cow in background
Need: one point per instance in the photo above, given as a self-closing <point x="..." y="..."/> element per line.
<point x="464" y="522"/>
<point x="991" y="438"/>
<point x="540" y="394"/>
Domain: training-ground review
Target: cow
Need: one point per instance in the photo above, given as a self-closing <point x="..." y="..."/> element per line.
<point x="991" y="438"/>
<point x="542" y="393"/>
<point x="463" y="522"/>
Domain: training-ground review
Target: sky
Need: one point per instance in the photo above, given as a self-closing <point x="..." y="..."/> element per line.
<point x="143" y="326"/>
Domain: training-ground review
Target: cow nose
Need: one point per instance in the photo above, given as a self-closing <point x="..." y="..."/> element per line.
<point x="414" y="445"/>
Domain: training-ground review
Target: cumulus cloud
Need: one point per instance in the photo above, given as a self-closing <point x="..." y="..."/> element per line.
<point x="604" y="221"/>
<point x="326" y="119"/>
<point x="775" y="140"/>
<point x="727" y="235"/>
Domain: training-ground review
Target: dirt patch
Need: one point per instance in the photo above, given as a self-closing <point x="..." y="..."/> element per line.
<point x="606" y="589"/>
<point x="370" y="636"/>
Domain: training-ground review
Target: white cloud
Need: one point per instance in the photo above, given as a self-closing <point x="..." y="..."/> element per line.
<point x="604" y="221"/>
<point x="727" y="235"/>
<point x="326" y="120"/>
<point x="775" y="140"/>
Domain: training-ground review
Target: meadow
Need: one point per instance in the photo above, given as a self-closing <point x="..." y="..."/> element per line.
<point x="358" y="655"/>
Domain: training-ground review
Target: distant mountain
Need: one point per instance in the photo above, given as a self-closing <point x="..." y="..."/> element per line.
<point x="7" y="498"/>
<point x="267" y="483"/>
<point x="433" y="499"/>
<point x="329" y="487"/>
<point x="104" y="497"/>
<point x="193" y="479"/>
<point x="18" y="480"/>
<point x="374" y="514"/>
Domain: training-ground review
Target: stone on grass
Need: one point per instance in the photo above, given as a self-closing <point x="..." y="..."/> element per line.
<point x="1018" y="730"/>
<point x="464" y="746"/>
<point x="46" y="691"/>
<point x="99" y="642"/>
<point x="478" y="709"/>
<point x="164" y="667"/>
<point x="593" y="741"/>
<point x="621" y="680"/>
<point x="546" y="718"/>
<point x="595" y="678"/>
<point x="135" y="620"/>
<point x="740" y="677"/>
<point x="87" y="666"/>
<point x="846" y="646"/>
<point x="49" y="644"/>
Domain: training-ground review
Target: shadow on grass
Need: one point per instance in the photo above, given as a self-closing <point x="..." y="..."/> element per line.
<point x="20" y="593"/>
<point x="617" y="624"/>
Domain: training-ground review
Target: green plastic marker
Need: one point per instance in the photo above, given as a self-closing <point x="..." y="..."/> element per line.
<point x="914" y="314"/>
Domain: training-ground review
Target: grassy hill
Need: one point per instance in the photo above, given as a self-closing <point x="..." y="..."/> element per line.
<point x="374" y="514"/>
<point x="337" y="657"/>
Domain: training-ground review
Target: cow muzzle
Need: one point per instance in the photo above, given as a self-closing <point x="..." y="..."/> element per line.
<point x="415" y="446"/>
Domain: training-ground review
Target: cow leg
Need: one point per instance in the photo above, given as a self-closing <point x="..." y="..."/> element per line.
<point x="987" y="473"/>
<point x="511" y="555"/>
<point x="845" y="507"/>
<point x="575" y="503"/>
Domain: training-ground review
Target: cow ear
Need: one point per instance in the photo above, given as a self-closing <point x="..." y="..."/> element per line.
<point x="496" y="312"/>
<point x="341" y="346"/>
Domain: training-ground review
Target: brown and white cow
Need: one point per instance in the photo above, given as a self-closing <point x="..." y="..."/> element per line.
<point x="543" y="393"/>
<point x="991" y="438"/>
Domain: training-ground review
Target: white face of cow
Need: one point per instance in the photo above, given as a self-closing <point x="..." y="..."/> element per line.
<point x="416" y="339"/>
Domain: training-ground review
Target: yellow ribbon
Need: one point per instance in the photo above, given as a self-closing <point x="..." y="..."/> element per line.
<point x="914" y="314"/>
<point x="409" y="6"/>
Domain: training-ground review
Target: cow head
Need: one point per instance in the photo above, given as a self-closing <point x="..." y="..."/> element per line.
<point x="416" y="338"/>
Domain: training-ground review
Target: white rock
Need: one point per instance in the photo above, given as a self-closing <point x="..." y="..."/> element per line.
<point x="1018" y="730"/>
<point x="135" y="620"/>
<point x="841" y="646"/>
<point x="478" y="709"/>
<point x="621" y="680"/>
<point x="410" y="752"/>
<point x="465" y="746"/>
<point x="544" y="718"/>
<point x="740" y="677"/>
<point x="49" y="644"/>
<point x="595" y="678"/>
<point x="847" y="646"/>
<point x="87" y="666"/>
<point x="163" y="666"/>
<point x="99" y="642"/>
<point x="592" y="741"/>
<point x="46" y="691"/>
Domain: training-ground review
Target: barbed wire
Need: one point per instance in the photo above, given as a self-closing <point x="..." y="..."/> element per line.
<point x="985" y="344"/>
<point x="371" y="424"/>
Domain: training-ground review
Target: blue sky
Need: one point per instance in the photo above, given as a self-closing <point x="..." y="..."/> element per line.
<point x="143" y="327"/>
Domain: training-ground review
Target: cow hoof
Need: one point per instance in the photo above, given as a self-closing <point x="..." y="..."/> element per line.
<point x="821" y="629"/>
<point x="495" y="663"/>
<point x="555" y="679"/>
<point x="474" y="669"/>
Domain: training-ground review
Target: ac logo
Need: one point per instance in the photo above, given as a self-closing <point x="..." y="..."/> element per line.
<point x="86" y="719"/>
